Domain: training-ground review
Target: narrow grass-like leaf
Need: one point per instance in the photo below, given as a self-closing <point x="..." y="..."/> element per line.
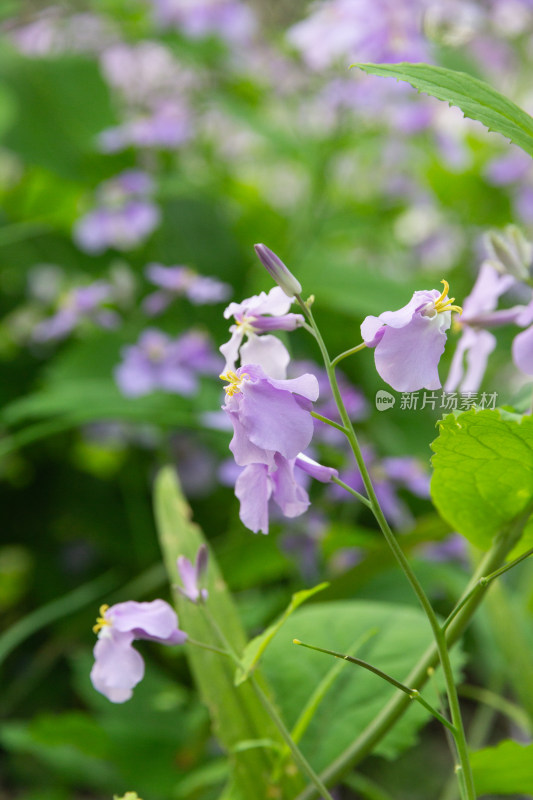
<point x="237" y="714"/>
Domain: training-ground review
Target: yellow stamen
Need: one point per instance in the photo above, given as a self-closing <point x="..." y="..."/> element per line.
<point x="442" y="304"/>
<point x="234" y="382"/>
<point x="101" y="621"/>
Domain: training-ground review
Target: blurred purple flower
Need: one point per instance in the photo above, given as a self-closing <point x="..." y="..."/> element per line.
<point x="118" y="667"/>
<point x="388" y="475"/>
<point x="409" y="342"/>
<point x="158" y="362"/>
<point x="191" y="575"/>
<point x="453" y="548"/>
<point x="360" y="30"/>
<point x="232" y="20"/>
<point x="258" y="315"/>
<point x="179" y="280"/>
<point x="77" y="306"/>
<point x="124" y="217"/>
<point x="508" y="168"/>
<point x="167" y="127"/>
<point x="269" y="416"/>
<point x="476" y="344"/>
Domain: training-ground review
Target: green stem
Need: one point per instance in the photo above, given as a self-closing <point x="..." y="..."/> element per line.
<point x="366" y="742"/>
<point x="347" y="353"/>
<point x="485" y="580"/>
<point x="298" y="756"/>
<point x="413" y="694"/>
<point x="327" y="421"/>
<point x="210" y="647"/>
<point x="353" y="492"/>
<point x="438" y="633"/>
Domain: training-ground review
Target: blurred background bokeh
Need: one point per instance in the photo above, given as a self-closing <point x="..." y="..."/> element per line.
<point x="178" y="133"/>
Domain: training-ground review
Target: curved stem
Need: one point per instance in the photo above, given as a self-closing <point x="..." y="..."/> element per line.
<point x="347" y="353"/>
<point x="353" y="492"/>
<point x="438" y="633"/>
<point x="365" y="743"/>
<point x="413" y="694"/>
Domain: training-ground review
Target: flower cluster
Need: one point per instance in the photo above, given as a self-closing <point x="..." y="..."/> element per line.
<point x="124" y="215"/>
<point x="180" y="281"/>
<point x="118" y="667"/>
<point x="158" y="362"/>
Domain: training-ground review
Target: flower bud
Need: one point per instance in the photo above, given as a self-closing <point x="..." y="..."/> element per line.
<point x="277" y="269"/>
<point x="510" y="253"/>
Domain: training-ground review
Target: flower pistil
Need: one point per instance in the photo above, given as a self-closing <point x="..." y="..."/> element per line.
<point x="101" y="621"/>
<point x="445" y="303"/>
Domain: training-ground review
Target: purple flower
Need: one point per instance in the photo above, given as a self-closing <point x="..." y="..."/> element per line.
<point x="191" y="575"/>
<point x="362" y="30"/>
<point x="409" y="342"/>
<point x="158" y="362"/>
<point x="118" y="667"/>
<point x="476" y="343"/>
<point x="177" y="281"/>
<point x="269" y="416"/>
<point x="229" y="19"/>
<point x="124" y="217"/>
<point x="259" y="483"/>
<point x="167" y="127"/>
<point x="258" y="315"/>
<point x="76" y="306"/>
<point x="388" y="475"/>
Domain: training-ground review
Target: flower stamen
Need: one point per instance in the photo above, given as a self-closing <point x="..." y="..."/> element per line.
<point x="442" y="304"/>
<point x="234" y="382"/>
<point x="101" y="621"/>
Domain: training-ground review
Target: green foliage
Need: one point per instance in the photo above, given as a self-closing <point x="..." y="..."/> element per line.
<point x="483" y="473"/>
<point x="257" y="646"/>
<point x="504" y="769"/>
<point x="475" y="98"/>
<point x="355" y="698"/>
<point x="54" y="92"/>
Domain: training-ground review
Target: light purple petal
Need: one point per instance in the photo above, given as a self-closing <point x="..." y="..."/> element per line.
<point x="274" y="419"/>
<point x="475" y="346"/>
<point x="288" y="494"/>
<point x="266" y="351"/>
<point x="316" y="470"/>
<point x="155" y="620"/>
<point x="407" y="358"/>
<point x="253" y="489"/>
<point x="523" y="351"/>
<point x="230" y="350"/>
<point x="117" y="667"/>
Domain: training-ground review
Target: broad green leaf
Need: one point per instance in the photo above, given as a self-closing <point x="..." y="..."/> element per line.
<point x="237" y="713"/>
<point x="504" y="769"/>
<point x="255" y="649"/>
<point x="356" y="696"/>
<point x="483" y="473"/>
<point x="475" y="98"/>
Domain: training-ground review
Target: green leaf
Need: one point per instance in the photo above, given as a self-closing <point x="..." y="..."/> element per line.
<point x="483" y="473"/>
<point x="475" y="98"/>
<point x="504" y="769"/>
<point x="356" y="696"/>
<point x="237" y="713"/>
<point x="71" y="101"/>
<point x="255" y="649"/>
